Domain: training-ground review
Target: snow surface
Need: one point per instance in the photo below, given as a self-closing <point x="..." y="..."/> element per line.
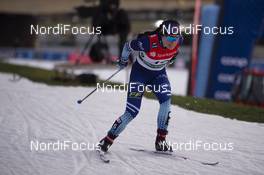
<point x="178" y="77"/>
<point x="31" y="111"/>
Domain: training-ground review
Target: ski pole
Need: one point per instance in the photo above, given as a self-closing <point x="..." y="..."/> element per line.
<point x="81" y="100"/>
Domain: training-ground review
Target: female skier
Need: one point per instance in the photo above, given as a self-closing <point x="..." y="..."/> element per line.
<point x="155" y="51"/>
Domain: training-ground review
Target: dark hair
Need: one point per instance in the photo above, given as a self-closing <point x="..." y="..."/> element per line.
<point x="167" y="23"/>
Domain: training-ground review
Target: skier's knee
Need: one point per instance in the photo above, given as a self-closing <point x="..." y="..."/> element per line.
<point x="166" y="104"/>
<point x="133" y="114"/>
<point x="164" y="99"/>
<point x="132" y="109"/>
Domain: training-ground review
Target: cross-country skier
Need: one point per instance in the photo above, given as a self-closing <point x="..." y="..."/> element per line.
<point x="155" y="50"/>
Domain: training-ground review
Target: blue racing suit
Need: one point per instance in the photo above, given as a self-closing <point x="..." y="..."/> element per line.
<point x="147" y="71"/>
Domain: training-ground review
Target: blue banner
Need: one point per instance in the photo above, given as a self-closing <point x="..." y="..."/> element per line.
<point x="205" y="48"/>
<point x="232" y="52"/>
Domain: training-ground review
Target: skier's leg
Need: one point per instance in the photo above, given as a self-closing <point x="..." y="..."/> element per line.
<point x="134" y="97"/>
<point x="162" y="90"/>
<point x="132" y="108"/>
<point x="118" y="126"/>
<point x="163" y="115"/>
<point x="133" y="104"/>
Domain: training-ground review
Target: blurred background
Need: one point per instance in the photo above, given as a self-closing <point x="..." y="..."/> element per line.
<point x="221" y="67"/>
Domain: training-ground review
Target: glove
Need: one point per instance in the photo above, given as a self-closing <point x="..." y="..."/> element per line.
<point x="172" y="60"/>
<point x="122" y="63"/>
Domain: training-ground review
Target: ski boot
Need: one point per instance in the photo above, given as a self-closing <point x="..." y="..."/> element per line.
<point x="106" y="142"/>
<point x="160" y="143"/>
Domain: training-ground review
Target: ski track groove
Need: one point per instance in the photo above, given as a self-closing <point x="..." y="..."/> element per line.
<point x="59" y="121"/>
<point x="127" y="163"/>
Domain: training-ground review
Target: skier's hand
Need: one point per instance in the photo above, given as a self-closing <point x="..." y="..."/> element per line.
<point x="172" y="60"/>
<point x="122" y="63"/>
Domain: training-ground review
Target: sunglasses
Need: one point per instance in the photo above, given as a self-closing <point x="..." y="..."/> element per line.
<point x="172" y="38"/>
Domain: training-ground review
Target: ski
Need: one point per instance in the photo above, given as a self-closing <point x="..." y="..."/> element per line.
<point x="102" y="156"/>
<point x="174" y="155"/>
